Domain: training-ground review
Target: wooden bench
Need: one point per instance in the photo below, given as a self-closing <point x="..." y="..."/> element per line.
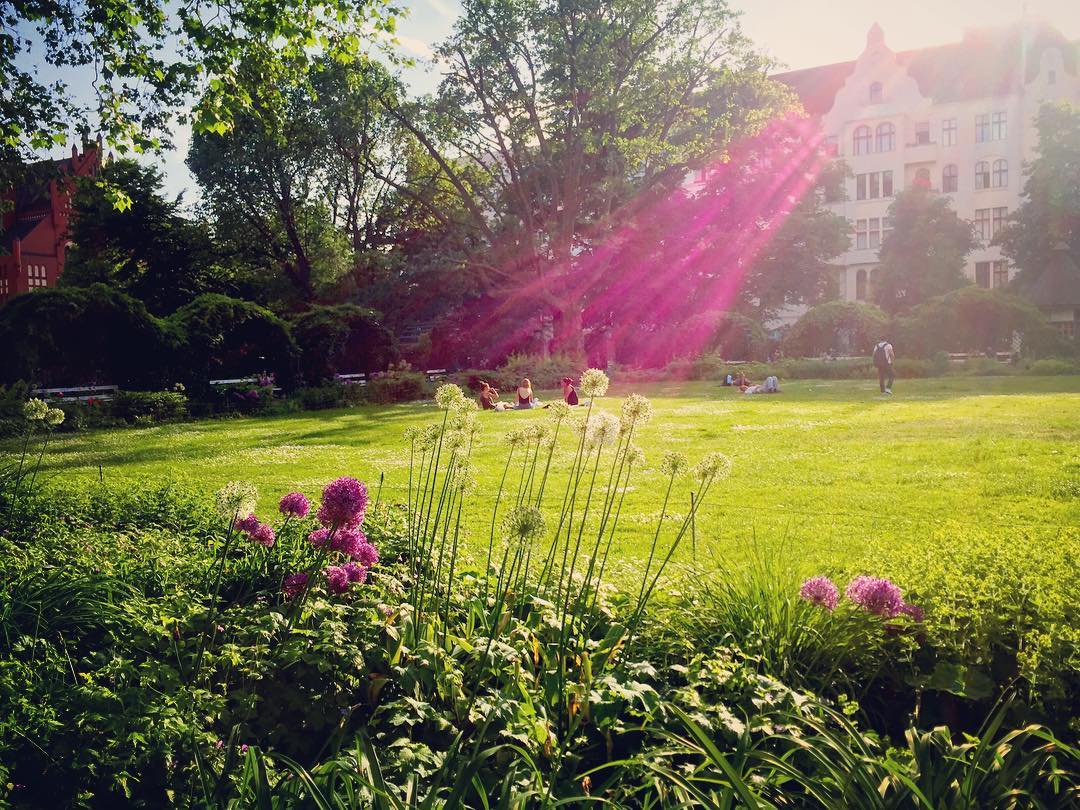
<point x="80" y="393"/>
<point x="435" y="374"/>
<point x="351" y="379"/>
<point x="240" y="381"/>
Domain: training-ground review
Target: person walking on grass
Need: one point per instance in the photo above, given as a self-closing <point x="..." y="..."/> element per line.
<point x="883" y="359"/>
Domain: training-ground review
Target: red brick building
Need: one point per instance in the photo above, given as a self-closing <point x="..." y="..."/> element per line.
<point x="34" y="235"/>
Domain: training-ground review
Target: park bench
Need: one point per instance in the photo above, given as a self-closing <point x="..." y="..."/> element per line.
<point x="436" y="374"/>
<point x="253" y="380"/>
<point x="80" y="393"/>
<point x="351" y="379"/>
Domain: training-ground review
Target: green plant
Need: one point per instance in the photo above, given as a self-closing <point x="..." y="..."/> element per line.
<point x="156" y="406"/>
<point x="398" y="384"/>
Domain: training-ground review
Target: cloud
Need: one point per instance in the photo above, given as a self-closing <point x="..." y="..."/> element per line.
<point x="442" y="8"/>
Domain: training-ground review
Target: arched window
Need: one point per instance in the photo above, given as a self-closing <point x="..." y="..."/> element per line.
<point x="886" y="137"/>
<point x="950" y="178"/>
<point x="982" y="174"/>
<point x="1001" y="173"/>
<point x="862" y="140"/>
<point x="860" y="286"/>
<point x="875" y="93"/>
<point x="922" y="178"/>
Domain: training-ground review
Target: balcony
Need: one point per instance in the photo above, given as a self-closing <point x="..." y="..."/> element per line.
<point x="921" y="151"/>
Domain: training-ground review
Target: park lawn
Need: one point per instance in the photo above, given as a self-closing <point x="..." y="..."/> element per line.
<point x="824" y="474"/>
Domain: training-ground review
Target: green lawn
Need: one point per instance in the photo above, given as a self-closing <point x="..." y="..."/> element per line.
<point x="826" y="471"/>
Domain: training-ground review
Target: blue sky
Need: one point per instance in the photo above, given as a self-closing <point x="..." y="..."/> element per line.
<point x="798" y="33"/>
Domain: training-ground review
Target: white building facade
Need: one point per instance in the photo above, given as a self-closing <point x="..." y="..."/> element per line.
<point x="958" y="118"/>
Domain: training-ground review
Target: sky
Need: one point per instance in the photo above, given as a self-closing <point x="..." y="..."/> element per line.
<point x="797" y="33"/>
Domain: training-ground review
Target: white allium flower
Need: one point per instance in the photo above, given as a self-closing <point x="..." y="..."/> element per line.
<point x="236" y="498"/>
<point x="636" y="410"/>
<point x="594" y="383"/>
<point x="714" y="465"/>
<point x="602" y="429"/>
<point x="35" y="410"/>
<point x="447" y="395"/>
<point x="559" y="410"/>
<point x="525" y="523"/>
<point x="54" y="417"/>
<point x="674" y="463"/>
<point x="635" y="456"/>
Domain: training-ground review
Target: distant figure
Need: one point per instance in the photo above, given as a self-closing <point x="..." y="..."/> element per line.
<point x="771" y="385"/>
<point x="883" y="359"/>
<point x="525" y="397"/>
<point x="489" y="399"/>
<point x="568" y="392"/>
<point x="728" y="380"/>
<point x="741" y="381"/>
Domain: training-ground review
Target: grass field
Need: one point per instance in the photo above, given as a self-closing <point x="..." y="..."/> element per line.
<point x="825" y="473"/>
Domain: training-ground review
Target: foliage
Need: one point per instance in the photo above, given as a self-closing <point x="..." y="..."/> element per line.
<point x="836" y="327"/>
<point x="156" y="406"/>
<point x="1049" y="212"/>
<point x="397" y="384"/>
<point x="975" y="319"/>
<point x="724" y="334"/>
<point x="82" y="335"/>
<point x="342" y="339"/>
<point x="148" y="250"/>
<point x="145" y="58"/>
<point x="331" y="395"/>
<point x="227" y="338"/>
<point x="923" y="257"/>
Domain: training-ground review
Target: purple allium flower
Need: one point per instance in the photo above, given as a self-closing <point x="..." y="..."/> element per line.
<point x="263" y="535"/>
<point x="914" y="612"/>
<point x="347" y="540"/>
<point x="247" y="524"/>
<point x="357" y="573"/>
<point x="367" y="554"/>
<point x="243" y="749"/>
<point x="318" y="537"/>
<point x="295" y="504"/>
<point x="875" y="595"/>
<point x="219" y="744"/>
<point x="337" y="579"/>
<point x="343" y="503"/>
<point x="820" y="591"/>
<point x="294" y="585"/>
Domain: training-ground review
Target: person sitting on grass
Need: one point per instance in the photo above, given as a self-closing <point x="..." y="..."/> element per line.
<point x="740" y="381"/>
<point x="569" y="393"/>
<point x="489" y="399"/>
<point x="525" y="397"/>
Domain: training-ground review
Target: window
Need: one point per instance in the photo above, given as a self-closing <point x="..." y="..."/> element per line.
<point x="1067" y="328"/>
<point x="950" y="178"/>
<point x="870" y="233"/>
<point x="998" y="221"/>
<point x="3" y="287"/>
<point x="982" y="223"/>
<point x="862" y="140"/>
<point x="948" y="132"/>
<point x="35" y="276"/>
<point x="1001" y="173"/>
<point x="922" y="132"/>
<point x="1001" y="275"/>
<point x="886" y="137"/>
<point x="875" y="233"/>
<point x="873" y="186"/>
<point x="998" y="128"/>
<point x="831" y="145"/>
<point x="860" y="286"/>
<point x="982" y="128"/>
<point x="860" y="234"/>
<point x="982" y="274"/>
<point x="982" y="175"/>
<point x="875" y="93"/>
<point x="886" y="228"/>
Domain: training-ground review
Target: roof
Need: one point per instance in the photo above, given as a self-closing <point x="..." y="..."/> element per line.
<point x="987" y="62"/>
<point x="1058" y="286"/>
<point x="20" y="230"/>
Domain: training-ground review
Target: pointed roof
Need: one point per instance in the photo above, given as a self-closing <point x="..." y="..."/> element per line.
<point x="987" y="62"/>
<point x="1058" y="286"/>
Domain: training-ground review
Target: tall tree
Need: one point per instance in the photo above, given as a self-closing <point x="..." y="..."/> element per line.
<point x="552" y="116"/>
<point x="924" y="255"/>
<point x="148" y="250"/>
<point x="1049" y="213"/>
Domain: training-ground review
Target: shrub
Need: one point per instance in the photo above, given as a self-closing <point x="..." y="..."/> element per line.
<point x="836" y="327"/>
<point x="74" y="336"/>
<point x="724" y="334"/>
<point x="542" y="373"/>
<point x="342" y="339"/>
<point x="399" y="384"/>
<point x="227" y="338"/>
<point x="1050" y="366"/>
<point x="331" y="395"/>
<point x="158" y="406"/>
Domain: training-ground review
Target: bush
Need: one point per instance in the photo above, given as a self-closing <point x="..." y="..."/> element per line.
<point x="342" y="339"/>
<point x="724" y="334"/>
<point x="540" y="372"/>
<point x="1050" y="366"/>
<point x="836" y="327"/>
<point x="399" y="384"/>
<point x="76" y="336"/>
<point x="157" y="406"/>
<point x="331" y="395"/>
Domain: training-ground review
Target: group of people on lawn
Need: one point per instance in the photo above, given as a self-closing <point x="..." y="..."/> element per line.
<point x="524" y="396"/>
